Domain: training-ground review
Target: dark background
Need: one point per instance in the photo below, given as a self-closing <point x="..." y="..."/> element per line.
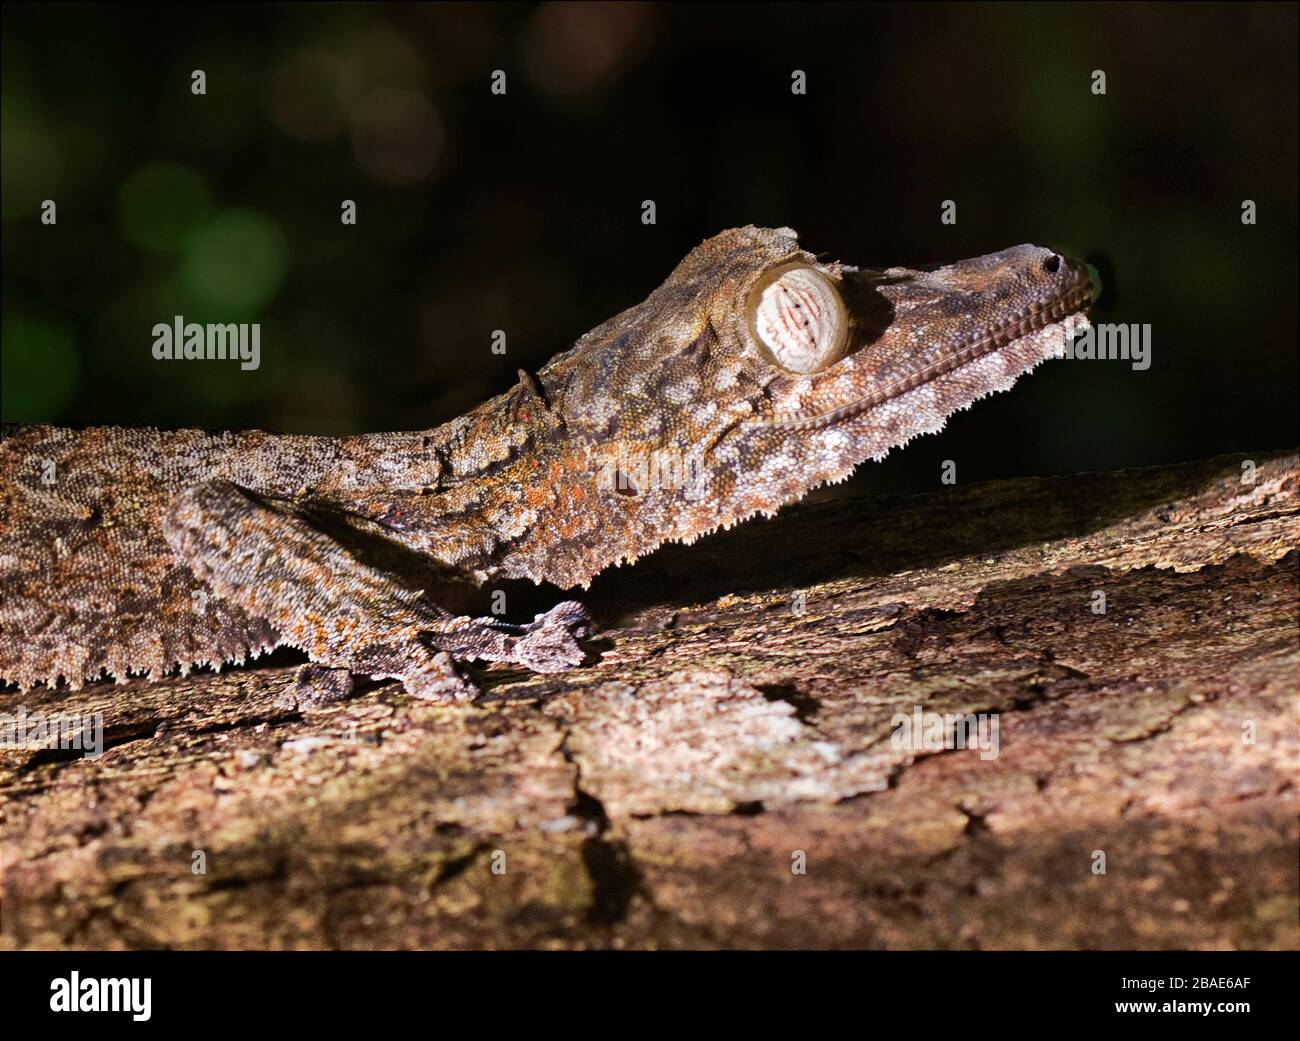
<point x="522" y="212"/>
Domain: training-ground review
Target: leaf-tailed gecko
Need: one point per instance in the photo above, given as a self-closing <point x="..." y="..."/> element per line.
<point x="755" y="373"/>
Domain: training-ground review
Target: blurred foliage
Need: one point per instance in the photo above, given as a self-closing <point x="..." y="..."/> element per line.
<point x="161" y="204"/>
<point x="479" y="212"/>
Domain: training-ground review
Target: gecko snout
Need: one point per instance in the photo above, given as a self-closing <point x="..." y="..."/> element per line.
<point x="1069" y="275"/>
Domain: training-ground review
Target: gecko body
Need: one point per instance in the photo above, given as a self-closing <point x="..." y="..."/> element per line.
<point x="755" y="373"/>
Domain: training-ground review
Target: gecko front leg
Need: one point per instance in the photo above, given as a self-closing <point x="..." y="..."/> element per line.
<point x="267" y="557"/>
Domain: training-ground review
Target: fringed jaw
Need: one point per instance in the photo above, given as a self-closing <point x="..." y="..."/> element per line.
<point x="893" y="354"/>
<point x="757" y="372"/>
<point x="904" y="329"/>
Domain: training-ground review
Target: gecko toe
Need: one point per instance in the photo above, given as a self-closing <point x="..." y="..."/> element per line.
<point x="550" y="641"/>
<point x="440" y="682"/>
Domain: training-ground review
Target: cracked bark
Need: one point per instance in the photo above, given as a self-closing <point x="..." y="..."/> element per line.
<point x="657" y="796"/>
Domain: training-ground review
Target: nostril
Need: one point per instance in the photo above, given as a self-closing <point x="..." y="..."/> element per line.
<point x="1052" y="263"/>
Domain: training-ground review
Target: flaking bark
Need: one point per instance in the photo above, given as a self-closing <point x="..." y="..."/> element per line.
<point x="737" y="712"/>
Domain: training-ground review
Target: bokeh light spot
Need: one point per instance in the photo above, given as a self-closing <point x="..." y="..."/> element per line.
<point x="38" y="370"/>
<point x="307" y="93"/>
<point x="236" y="262"/>
<point x="576" y="48"/>
<point x="30" y="166"/>
<point x="397" y="136"/>
<point x="161" y="204"/>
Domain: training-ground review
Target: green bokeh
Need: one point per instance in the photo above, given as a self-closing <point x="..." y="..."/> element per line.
<point x="161" y="204"/>
<point x="30" y="166"/>
<point x="172" y="203"/>
<point x="236" y="263"/>
<point x="38" y="369"/>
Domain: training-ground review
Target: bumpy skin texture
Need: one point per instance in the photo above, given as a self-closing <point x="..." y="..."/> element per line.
<point x="140" y="550"/>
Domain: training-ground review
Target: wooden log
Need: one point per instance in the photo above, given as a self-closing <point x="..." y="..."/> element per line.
<point x="732" y="768"/>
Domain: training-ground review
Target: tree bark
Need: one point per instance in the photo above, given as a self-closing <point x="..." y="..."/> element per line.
<point x="731" y="769"/>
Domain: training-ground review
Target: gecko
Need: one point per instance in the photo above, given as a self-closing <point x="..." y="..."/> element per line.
<point x="756" y="372"/>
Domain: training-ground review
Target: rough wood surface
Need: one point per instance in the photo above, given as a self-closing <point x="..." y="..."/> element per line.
<point x="738" y="710"/>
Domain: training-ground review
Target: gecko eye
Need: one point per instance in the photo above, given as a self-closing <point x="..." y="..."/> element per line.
<point x="797" y="315"/>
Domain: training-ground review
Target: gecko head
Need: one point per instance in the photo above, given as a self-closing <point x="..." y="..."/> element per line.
<point x="843" y="343"/>
<point x="762" y="371"/>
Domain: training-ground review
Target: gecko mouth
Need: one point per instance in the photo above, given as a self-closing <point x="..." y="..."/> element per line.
<point x="1074" y="301"/>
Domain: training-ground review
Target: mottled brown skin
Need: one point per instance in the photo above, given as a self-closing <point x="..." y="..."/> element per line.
<point x="140" y="550"/>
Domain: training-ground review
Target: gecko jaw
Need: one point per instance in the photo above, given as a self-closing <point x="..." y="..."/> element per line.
<point x="1074" y="301"/>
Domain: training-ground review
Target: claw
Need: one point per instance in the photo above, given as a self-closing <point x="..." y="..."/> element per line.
<point x="550" y="642"/>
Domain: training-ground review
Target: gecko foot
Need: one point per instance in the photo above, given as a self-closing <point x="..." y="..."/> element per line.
<point x="316" y="685"/>
<point x="271" y="559"/>
<point x="549" y="643"/>
<point x="439" y="682"/>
